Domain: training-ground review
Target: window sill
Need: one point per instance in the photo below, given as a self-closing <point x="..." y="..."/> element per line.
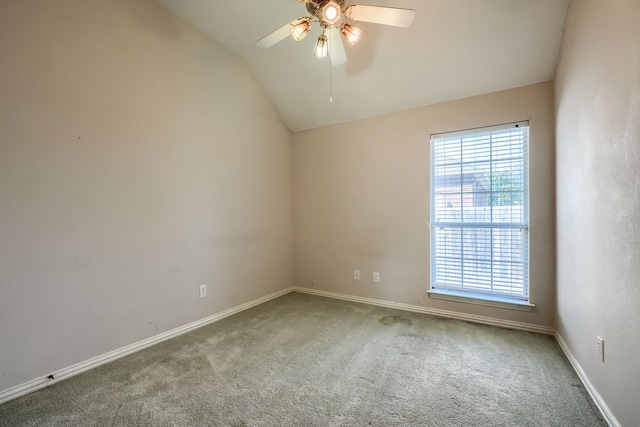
<point x="478" y="299"/>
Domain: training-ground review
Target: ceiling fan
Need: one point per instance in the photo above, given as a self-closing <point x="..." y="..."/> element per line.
<point x="328" y="14"/>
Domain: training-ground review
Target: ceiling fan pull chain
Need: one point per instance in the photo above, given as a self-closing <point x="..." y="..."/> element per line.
<point x="330" y="85"/>
<point x="330" y="72"/>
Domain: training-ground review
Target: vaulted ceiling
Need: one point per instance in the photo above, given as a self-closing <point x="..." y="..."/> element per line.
<point x="454" y="49"/>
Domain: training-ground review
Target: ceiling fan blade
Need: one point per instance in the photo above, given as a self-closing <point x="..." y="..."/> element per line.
<point x="274" y="37"/>
<point x="381" y="15"/>
<point x="336" y="48"/>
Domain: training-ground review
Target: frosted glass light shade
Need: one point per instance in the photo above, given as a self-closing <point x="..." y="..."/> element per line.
<point x="350" y="33"/>
<point x="321" y="48"/>
<point x="299" y="28"/>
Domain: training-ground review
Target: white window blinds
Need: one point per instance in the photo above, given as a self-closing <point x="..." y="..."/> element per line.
<point x="480" y="211"/>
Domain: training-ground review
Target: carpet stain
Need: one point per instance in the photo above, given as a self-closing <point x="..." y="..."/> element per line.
<point x="395" y="320"/>
<point x="411" y="335"/>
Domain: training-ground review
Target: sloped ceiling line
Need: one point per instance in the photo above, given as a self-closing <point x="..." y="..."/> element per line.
<point x="454" y="49"/>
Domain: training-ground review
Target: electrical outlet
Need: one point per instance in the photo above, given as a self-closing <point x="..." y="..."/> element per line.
<point x="376" y="277"/>
<point x="203" y="291"/>
<point x="600" y="344"/>
<point x="356" y="274"/>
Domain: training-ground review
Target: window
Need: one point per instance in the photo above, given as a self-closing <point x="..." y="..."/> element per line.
<point x="480" y="216"/>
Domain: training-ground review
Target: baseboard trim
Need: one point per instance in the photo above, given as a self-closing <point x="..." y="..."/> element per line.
<point x="42" y="382"/>
<point x="595" y="396"/>
<point x="78" y="368"/>
<point x="433" y="311"/>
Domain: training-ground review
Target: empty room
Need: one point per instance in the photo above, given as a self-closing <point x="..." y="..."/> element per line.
<point x="319" y="212"/>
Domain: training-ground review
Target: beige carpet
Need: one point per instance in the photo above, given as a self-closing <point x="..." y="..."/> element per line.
<point x="303" y="360"/>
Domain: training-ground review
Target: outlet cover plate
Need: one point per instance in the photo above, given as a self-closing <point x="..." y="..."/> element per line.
<point x="600" y="343"/>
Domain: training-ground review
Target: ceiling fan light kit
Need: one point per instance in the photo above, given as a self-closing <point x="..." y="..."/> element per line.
<point x="328" y="14"/>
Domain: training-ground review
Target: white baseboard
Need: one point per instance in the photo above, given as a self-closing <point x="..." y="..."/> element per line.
<point x="595" y="396"/>
<point x="78" y="368"/>
<point x="433" y="311"/>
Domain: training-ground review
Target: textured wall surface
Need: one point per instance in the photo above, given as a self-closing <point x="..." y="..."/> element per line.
<point x="361" y="200"/>
<point x="138" y="160"/>
<point x="598" y="153"/>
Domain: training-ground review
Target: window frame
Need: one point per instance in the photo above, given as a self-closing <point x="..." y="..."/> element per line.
<point x="474" y="296"/>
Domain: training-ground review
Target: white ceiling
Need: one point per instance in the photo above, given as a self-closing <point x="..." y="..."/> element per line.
<point x="454" y="49"/>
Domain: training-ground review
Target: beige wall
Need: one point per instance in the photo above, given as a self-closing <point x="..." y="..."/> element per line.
<point x="138" y="160"/>
<point x="361" y="192"/>
<point x="598" y="155"/>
